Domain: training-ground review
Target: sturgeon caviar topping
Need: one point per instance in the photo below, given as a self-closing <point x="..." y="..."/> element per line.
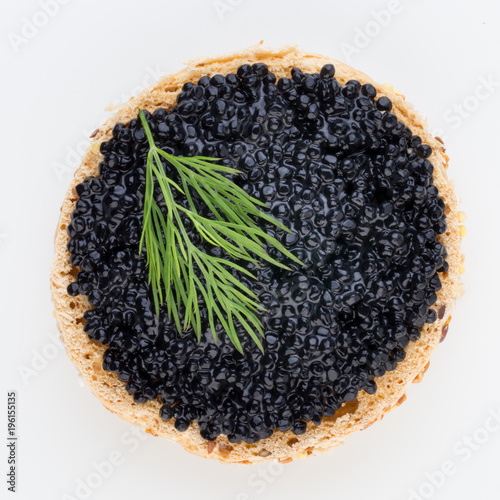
<point x="178" y="270"/>
<point x="355" y="188"/>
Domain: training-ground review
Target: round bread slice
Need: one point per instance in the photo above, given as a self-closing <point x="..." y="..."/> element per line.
<point x="87" y="355"/>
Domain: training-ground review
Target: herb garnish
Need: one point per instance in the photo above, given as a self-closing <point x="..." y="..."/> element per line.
<point x="180" y="273"/>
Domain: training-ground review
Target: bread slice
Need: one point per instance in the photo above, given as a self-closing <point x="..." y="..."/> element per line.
<point x="352" y="416"/>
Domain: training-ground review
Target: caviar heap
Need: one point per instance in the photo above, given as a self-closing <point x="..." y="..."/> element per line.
<point x="355" y="187"/>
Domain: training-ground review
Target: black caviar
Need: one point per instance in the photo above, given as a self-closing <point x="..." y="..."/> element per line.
<point x="356" y="189"/>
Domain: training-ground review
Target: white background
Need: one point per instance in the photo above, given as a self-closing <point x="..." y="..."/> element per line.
<point x="57" y="79"/>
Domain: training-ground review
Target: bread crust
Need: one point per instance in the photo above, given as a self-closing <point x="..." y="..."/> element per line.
<point x="282" y="446"/>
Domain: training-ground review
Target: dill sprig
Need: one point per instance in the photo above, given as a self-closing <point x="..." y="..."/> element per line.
<point x="180" y="273"/>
